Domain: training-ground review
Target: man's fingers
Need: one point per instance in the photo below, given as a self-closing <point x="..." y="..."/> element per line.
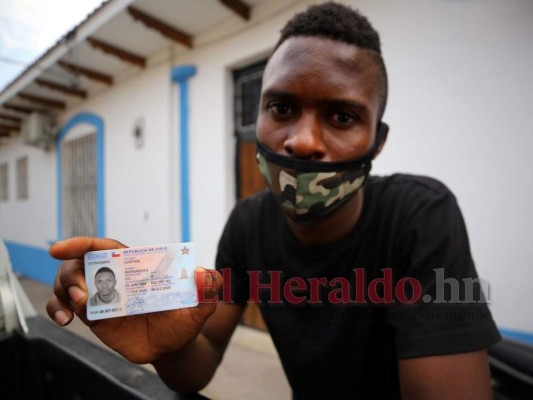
<point x="62" y="314"/>
<point x="70" y="290"/>
<point x="70" y="294"/>
<point x="76" y="247"/>
<point x="69" y="285"/>
<point x="59" y="312"/>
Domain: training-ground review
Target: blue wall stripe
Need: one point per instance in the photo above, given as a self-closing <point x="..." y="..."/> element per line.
<point x="98" y="123"/>
<point x="184" y="163"/>
<point x="519" y="336"/>
<point x="181" y="75"/>
<point x="32" y="262"/>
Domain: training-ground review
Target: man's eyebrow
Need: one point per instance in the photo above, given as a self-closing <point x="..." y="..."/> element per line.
<point x="333" y="102"/>
<point x="279" y="94"/>
<point x="341" y="103"/>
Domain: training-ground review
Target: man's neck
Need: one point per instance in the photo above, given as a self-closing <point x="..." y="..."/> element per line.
<point x="333" y="228"/>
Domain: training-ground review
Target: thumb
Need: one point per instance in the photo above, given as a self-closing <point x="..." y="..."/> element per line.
<point x="209" y="284"/>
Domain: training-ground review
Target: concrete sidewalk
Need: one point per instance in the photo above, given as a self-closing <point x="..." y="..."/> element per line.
<point x="251" y="368"/>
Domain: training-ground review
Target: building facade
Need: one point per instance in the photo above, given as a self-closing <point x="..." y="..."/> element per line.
<point x="161" y="151"/>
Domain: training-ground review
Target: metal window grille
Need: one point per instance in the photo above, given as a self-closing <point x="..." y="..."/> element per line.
<point x="4" y="183"/>
<point x="79" y="186"/>
<point x="247" y="95"/>
<point x="22" y="178"/>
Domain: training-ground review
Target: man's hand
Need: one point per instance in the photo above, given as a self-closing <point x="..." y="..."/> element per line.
<point x="139" y="338"/>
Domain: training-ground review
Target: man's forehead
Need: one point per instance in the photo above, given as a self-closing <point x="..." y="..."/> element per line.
<point x="105" y="274"/>
<point x="319" y="67"/>
<point x="320" y="49"/>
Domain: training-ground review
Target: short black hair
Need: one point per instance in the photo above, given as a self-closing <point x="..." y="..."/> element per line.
<point x="340" y="23"/>
<point x="104" y="269"/>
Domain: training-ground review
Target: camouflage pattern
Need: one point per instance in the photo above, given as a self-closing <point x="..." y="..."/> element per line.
<point x="308" y="196"/>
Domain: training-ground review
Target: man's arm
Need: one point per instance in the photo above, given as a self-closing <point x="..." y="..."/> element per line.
<point x="191" y="369"/>
<point x="448" y="377"/>
<point x="186" y="345"/>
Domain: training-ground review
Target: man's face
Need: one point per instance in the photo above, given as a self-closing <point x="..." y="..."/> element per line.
<point x="320" y="100"/>
<point x="105" y="283"/>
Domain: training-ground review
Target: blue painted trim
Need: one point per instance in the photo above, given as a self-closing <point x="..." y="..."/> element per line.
<point x="32" y="262"/>
<point x="525" y="337"/>
<point x="184" y="163"/>
<point x="181" y="76"/>
<point x="182" y="73"/>
<point x="98" y="123"/>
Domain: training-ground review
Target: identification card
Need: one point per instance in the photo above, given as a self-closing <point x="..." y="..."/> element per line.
<point x="139" y="280"/>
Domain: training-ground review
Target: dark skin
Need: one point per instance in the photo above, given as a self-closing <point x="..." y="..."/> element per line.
<point x="321" y="108"/>
<point x="320" y="101"/>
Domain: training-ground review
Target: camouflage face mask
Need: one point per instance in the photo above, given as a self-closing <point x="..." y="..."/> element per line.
<point x="309" y="190"/>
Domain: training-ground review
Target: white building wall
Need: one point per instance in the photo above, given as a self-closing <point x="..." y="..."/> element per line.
<point x="138" y="181"/>
<point x="32" y="221"/>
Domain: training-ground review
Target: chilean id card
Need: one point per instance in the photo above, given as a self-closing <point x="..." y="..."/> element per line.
<point x="139" y="280"/>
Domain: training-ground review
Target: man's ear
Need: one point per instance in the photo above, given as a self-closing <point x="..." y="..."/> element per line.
<point x="381" y="135"/>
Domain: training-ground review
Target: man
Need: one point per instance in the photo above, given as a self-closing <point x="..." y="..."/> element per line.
<point x="105" y="283"/>
<point x="323" y="226"/>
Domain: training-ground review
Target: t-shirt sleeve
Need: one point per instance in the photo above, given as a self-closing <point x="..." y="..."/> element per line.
<point x="452" y="314"/>
<point x="231" y="257"/>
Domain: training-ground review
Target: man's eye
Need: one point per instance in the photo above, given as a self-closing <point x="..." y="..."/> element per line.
<point x="343" y="117"/>
<point x="279" y="109"/>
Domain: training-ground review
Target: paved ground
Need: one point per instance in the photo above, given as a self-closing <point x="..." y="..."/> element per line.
<point x="250" y="370"/>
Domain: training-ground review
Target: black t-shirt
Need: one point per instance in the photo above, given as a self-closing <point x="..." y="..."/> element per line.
<point x="344" y="339"/>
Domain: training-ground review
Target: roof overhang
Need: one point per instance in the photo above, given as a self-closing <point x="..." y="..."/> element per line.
<point x="117" y="39"/>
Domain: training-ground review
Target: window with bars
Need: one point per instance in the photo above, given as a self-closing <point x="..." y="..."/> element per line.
<point x="247" y="94"/>
<point x="4" y="182"/>
<point x="79" y="210"/>
<point x="22" y="178"/>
